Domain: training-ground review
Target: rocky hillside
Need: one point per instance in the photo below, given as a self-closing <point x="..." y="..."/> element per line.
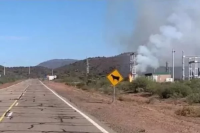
<point x="99" y="66"/>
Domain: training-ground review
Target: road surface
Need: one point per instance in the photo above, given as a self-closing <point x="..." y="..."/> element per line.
<point x="32" y="107"/>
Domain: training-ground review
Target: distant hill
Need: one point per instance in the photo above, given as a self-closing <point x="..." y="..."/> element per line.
<point x="36" y="71"/>
<point x="23" y="72"/>
<point x="101" y="66"/>
<point x="56" y="63"/>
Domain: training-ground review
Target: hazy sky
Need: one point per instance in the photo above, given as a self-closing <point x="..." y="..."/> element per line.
<point x="32" y="31"/>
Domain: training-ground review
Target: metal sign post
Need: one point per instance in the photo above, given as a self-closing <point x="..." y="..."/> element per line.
<point x="114" y="93"/>
<point x="115" y="78"/>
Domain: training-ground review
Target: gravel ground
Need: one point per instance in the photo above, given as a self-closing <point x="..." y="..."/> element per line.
<point x="129" y="117"/>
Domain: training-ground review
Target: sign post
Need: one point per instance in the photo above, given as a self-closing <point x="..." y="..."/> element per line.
<point x="114" y="78"/>
<point x="114" y="93"/>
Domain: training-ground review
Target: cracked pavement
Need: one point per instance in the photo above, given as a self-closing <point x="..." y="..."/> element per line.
<point x="37" y="110"/>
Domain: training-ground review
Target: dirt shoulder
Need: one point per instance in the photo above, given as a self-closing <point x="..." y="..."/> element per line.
<point x="2" y="86"/>
<point x="138" y="115"/>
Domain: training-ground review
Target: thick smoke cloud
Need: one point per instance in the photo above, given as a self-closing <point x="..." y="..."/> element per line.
<point x="152" y="28"/>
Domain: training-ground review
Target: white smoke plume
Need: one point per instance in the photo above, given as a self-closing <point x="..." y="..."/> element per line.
<point x="158" y="26"/>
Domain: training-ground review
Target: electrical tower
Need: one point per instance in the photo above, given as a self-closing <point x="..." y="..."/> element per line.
<point x="133" y="64"/>
<point x="193" y="66"/>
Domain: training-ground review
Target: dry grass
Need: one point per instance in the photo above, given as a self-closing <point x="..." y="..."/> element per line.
<point x="189" y="111"/>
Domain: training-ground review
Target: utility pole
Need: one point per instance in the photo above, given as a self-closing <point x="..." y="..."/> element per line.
<point x="87" y="67"/>
<point x="167" y="68"/>
<point x="52" y="72"/>
<point x="173" y="51"/>
<point x="4" y="69"/>
<point x="29" y="70"/>
<point x="87" y="70"/>
<point x="183" y="66"/>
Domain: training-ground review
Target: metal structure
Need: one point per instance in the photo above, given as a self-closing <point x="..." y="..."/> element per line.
<point x="193" y="65"/>
<point x="167" y="67"/>
<point x="133" y="64"/>
<point x="173" y="51"/>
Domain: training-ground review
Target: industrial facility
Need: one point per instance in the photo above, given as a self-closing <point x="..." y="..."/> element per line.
<point x="193" y="65"/>
<point x="159" y="77"/>
<point x="133" y="64"/>
<point x="167" y="76"/>
<point x="51" y="77"/>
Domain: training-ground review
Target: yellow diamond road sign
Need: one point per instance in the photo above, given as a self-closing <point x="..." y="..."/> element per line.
<point x="115" y="77"/>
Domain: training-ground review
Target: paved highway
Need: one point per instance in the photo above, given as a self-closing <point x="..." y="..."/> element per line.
<point x="32" y="107"/>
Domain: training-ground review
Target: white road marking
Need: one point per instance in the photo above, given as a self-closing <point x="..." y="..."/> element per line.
<point x="84" y="115"/>
<point x="10" y="114"/>
<point x="16" y="104"/>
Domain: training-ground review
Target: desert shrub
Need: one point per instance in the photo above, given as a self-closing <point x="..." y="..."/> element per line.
<point x="165" y="93"/>
<point x="7" y="79"/>
<point x="153" y="87"/>
<point x="80" y="85"/>
<point x="181" y="89"/>
<point x="107" y="90"/>
<point x="174" y="90"/>
<point x="71" y="79"/>
<point x="84" y="87"/>
<point x="188" y="111"/>
<point x="124" y="86"/>
<point x="193" y="98"/>
<point x="139" y="84"/>
<point x="91" y="82"/>
<point x="102" y="82"/>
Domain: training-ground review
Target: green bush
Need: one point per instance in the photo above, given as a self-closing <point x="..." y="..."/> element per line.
<point x="193" y="98"/>
<point x="165" y="93"/>
<point x="141" y="82"/>
<point x="174" y="90"/>
<point x="180" y="89"/>
<point x="107" y="90"/>
<point x="80" y="85"/>
<point x="124" y="86"/>
<point x="153" y="87"/>
<point x="139" y="85"/>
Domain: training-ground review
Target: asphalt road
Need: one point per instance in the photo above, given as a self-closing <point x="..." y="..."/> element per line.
<point x="32" y="107"/>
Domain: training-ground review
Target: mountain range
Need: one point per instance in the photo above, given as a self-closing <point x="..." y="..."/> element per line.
<point x="99" y="66"/>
